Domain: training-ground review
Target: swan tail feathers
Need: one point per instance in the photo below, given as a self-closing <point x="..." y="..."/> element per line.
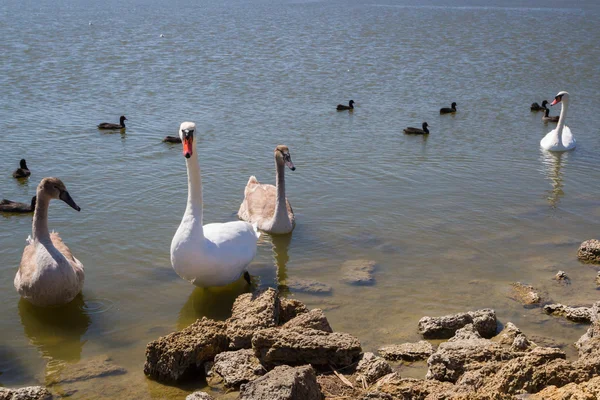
<point x="256" y="231"/>
<point x="252" y="181"/>
<point x="29" y="240"/>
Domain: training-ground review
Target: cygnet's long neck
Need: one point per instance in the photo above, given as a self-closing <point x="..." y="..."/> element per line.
<point x="39" y="229"/>
<point x="563" y="117"/>
<point x="280" y="214"/>
<point x="194" y="203"/>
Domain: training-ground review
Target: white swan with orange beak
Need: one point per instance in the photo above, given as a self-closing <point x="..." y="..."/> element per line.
<point x="560" y="138"/>
<point x="213" y="254"/>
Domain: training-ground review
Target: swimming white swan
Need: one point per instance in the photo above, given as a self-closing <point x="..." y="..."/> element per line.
<point x="266" y="205"/>
<point x="49" y="274"/>
<point x="559" y="139"/>
<point x="213" y="254"/>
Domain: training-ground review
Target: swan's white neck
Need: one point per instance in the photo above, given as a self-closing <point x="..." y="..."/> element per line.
<point x="193" y="210"/>
<point x="280" y="215"/>
<point x="562" y="118"/>
<point x="39" y="230"/>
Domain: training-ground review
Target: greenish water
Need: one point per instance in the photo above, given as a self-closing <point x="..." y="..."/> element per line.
<point x="451" y="220"/>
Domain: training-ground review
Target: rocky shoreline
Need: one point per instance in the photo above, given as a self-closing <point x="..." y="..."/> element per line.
<point x="276" y="348"/>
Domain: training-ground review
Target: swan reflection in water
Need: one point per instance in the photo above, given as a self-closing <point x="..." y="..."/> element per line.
<point x="56" y="331"/>
<point x="552" y="163"/>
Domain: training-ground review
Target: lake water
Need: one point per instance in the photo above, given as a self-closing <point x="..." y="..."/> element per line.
<point x="451" y="219"/>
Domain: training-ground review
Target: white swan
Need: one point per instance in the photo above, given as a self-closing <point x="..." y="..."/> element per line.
<point x="559" y="139"/>
<point x="213" y="254"/>
<point x="49" y="274"/>
<point x="266" y="205"/>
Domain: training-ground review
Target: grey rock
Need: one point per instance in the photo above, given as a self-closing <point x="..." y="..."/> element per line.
<point x="575" y="314"/>
<point x="298" y="346"/>
<point x="290" y="309"/>
<point x="237" y="367"/>
<point x="445" y="327"/>
<point x="507" y="336"/>
<point x="597" y="279"/>
<point x="98" y="367"/>
<point x="358" y="272"/>
<point x="589" y="251"/>
<point x="521" y="343"/>
<point x="171" y="357"/>
<point x="199" y="396"/>
<point x="250" y="313"/>
<point x="562" y="278"/>
<point x="25" y="393"/>
<point x="284" y="383"/>
<point x="308" y="286"/>
<point x="453" y="357"/>
<point x="314" y="319"/>
<point x="407" y="351"/>
<point x="370" y="368"/>
<point x="524" y="294"/>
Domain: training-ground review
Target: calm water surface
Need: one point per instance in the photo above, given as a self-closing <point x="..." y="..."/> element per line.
<point x="451" y="220"/>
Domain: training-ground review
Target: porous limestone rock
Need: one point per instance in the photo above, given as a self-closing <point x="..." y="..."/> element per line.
<point x="484" y="321"/>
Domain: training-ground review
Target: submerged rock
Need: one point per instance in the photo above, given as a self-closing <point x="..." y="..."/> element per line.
<point x="98" y="367"/>
<point x="237" y="367"/>
<point x="308" y="286"/>
<point x="484" y="321"/>
<point x="597" y="279"/>
<point x="284" y="383"/>
<point x="25" y="393"/>
<point x="314" y="319"/>
<point x="562" y="278"/>
<point x="575" y="314"/>
<point x="370" y="368"/>
<point x="171" y="357"/>
<point x="407" y="351"/>
<point x="251" y="312"/>
<point x="297" y="346"/>
<point x="589" y="251"/>
<point x="524" y="294"/>
<point x="358" y="272"/>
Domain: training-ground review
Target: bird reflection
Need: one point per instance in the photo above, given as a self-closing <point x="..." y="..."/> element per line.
<point x="552" y="163"/>
<point x="56" y="331"/>
<point x="214" y="302"/>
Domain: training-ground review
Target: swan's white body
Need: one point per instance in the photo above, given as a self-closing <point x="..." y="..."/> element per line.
<point x="560" y="138"/>
<point x="214" y="254"/>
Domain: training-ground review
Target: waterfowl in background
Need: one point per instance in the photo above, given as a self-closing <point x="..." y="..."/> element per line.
<point x="417" y="131"/>
<point x="16" y="207"/>
<point x="172" y="139"/>
<point x="214" y="254"/>
<point x="49" y="274"/>
<point x="548" y="118"/>
<point x="537" y="107"/>
<point x="350" y="106"/>
<point x="447" y="110"/>
<point x="22" y="171"/>
<point x="108" y="125"/>
<point x="266" y="205"/>
<point x="560" y="138"/>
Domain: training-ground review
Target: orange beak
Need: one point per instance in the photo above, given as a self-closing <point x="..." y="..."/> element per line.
<point x="556" y="101"/>
<point x="187" y="147"/>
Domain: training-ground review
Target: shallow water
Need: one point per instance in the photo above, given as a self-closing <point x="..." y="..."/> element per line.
<point x="451" y="219"/>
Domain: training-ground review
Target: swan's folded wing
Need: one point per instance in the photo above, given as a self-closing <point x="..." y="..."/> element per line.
<point x="260" y="202"/>
<point x="27" y="267"/>
<point x="62" y="247"/>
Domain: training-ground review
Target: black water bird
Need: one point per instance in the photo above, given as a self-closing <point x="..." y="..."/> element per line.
<point x="548" y="118"/>
<point x="350" y="106"/>
<point x="22" y="171"/>
<point x="447" y="110"/>
<point x="417" y="131"/>
<point x="537" y="107"/>
<point x="108" y="125"/>
<point x="16" y="207"/>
